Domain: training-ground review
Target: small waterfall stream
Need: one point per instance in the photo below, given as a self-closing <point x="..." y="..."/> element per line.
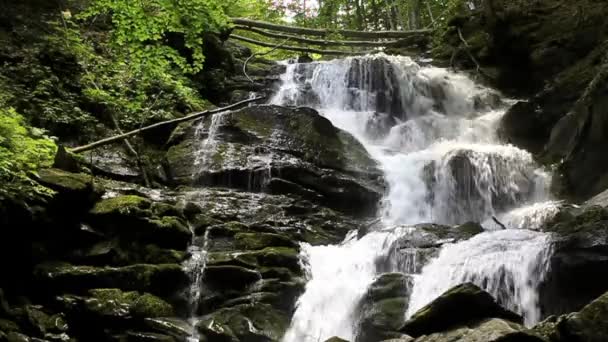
<point x="433" y="134"/>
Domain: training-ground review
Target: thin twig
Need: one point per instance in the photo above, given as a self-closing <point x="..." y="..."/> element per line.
<point x="466" y="47"/>
<point x="261" y="54"/>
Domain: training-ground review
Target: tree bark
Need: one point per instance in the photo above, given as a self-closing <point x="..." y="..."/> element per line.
<point x="299" y="49"/>
<point x="323" y="33"/>
<point x="192" y="116"/>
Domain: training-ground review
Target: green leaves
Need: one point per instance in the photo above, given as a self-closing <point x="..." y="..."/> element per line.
<point x="145" y="28"/>
<point x="22" y="149"/>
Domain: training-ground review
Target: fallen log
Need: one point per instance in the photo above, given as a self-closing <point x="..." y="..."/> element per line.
<point x="192" y="116"/>
<point x="322" y="42"/>
<point x="297" y="48"/>
<point x="323" y="33"/>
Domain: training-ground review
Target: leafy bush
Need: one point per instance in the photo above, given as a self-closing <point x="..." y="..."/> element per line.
<point x="22" y="149"/>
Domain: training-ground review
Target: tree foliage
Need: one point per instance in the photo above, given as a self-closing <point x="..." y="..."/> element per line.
<point x="145" y="28"/>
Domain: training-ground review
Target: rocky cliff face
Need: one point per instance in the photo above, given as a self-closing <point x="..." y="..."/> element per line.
<point x="553" y="53"/>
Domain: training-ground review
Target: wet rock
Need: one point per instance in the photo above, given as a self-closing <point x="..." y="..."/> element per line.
<point x="232" y="277"/>
<point x="162" y="279"/>
<point x="382" y="308"/>
<point x="523" y="126"/>
<point x="579" y="249"/>
<point x="104" y="304"/>
<point x="175" y="327"/>
<point x="471" y="303"/>
<point x="335" y="339"/>
<point x="244" y="323"/>
<point x="489" y="330"/>
<point x="589" y="324"/>
<point x="137" y="218"/>
<point x="136" y="336"/>
<point x="112" y="162"/>
<point x="256" y="144"/>
<point x="118" y="252"/>
<point x="76" y="191"/>
<point x="262" y="240"/>
<point x="379" y="125"/>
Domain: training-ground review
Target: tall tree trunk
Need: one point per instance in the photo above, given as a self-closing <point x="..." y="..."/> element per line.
<point x="414" y="13"/>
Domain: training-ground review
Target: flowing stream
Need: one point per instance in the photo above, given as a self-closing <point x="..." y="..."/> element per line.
<point x="433" y="133"/>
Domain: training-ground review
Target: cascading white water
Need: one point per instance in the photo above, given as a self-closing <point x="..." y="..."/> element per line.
<point x="433" y="133"/>
<point x="509" y="264"/>
<point x="339" y="276"/>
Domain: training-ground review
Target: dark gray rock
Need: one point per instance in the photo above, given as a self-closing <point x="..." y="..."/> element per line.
<point x="460" y="306"/>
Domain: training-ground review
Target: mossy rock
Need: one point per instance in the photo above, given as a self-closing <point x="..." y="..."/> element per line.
<point x="381" y="309"/>
<point x="137" y="218"/>
<point x="471" y="303"/>
<point x="76" y="191"/>
<point x="253" y="241"/>
<point x="139" y="336"/>
<point x="8" y="326"/>
<point x="39" y="321"/>
<point x="163" y="279"/>
<point x="122" y="205"/>
<point x="62" y="181"/>
<point x="260" y="322"/>
<point x="230" y="277"/>
<point x="139" y="305"/>
<point x="178" y="328"/>
<point x="589" y="324"/>
<point x="118" y="252"/>
<point x="488" y="330"/>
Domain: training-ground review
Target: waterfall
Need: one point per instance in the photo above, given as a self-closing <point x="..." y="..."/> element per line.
<point x="195" y="268"/>
<point x="433" y="133"/>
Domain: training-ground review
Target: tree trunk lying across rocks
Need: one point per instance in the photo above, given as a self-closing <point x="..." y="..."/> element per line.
<point x="192" y="116"/>
<point x="299" y="49"/>
<point x="323" y="33"/>
<point x="323" y="42"/>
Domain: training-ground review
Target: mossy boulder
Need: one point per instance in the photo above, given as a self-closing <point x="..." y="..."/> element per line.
<point x="163" y="279"/>
<point x="243" y="323"/>
<point x="488" y="330"/>
<point x="589" y="324"/>
<point x="381" y="312"/>
<point x="76" y="191"/>
<point x="137" y="218"/>
<point x="251" y="146"/>
<point x="470" y="302"/>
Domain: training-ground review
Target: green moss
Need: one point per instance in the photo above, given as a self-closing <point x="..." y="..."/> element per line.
<point x="149" y="305"/>
<point x="65" y="181"/>
<point x="253" y="241"/>
<point x="139" y="305"/>
<point x="261" y="126"/>
<point x="171" y="224"/>
<point x="121" y="204"/>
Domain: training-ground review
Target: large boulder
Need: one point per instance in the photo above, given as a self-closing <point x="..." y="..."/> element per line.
<point x="580" y="249"/>
<point x="460" y="306"/>
<point x="261" y="145"/>
<point x="381" y="309"/>
<point x="489" y="330"/>
<point x="588" y="325"/>
<point x="243" y="323"/>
